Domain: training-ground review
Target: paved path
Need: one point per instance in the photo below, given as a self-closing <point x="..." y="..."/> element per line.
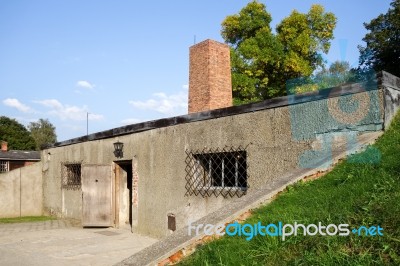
<point x="62" y="242"/>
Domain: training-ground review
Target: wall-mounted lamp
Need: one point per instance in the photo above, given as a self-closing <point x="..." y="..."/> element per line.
<point x="118" y="146"/>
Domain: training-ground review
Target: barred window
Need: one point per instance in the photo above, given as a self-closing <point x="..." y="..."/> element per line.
<point x="218" y="172"/>
<point x="71" y="175"/>
<point x="4" y="166"/>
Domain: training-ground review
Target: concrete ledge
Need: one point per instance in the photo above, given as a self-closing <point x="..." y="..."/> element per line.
<point x="388" y="80"/>
<point x="181" y="239"/>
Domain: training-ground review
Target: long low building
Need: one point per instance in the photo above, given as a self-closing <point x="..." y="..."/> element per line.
<point x="160" y="175"/>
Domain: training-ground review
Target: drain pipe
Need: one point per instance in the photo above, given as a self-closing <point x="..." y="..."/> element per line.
<point x="20" y="195"/>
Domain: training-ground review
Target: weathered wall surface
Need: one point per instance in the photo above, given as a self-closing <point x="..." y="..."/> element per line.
<point x="272" y="150"/>
<point x="391" y="88"/>
<point x="275" y="139"/>
<point x="21" y="192"/>
<point x="354" y="112"/>
<point x="10" y="194"/>
<point x="64" y="202"/>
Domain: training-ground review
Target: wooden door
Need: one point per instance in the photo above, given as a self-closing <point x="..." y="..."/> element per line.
<point x="97" y="207"/>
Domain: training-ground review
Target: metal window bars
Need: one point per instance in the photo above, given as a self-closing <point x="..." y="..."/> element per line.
<point x="4" y="166"/>
<point x="71" y="175"/>
<point x="216" y="172"/>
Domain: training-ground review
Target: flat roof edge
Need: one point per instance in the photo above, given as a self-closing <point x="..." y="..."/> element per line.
<point x="14" y="159"/>
<point x="223" y="112"/>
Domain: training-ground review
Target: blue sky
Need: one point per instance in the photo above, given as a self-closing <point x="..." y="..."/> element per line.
<point x="125" y="61"/>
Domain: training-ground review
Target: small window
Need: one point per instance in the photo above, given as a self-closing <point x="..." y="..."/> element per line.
<point x="71" y="175"/>
<point x="4" y="166"/>
<point x="216" y="172"/>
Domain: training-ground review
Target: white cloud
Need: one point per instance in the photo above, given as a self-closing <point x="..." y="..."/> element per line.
<point x="51" y="103"/>
<point x="95" y="116"/>
<point x="15" y="103"/>
<point x="130" y="121"/>
<point x="166" y="104"/>
<point x="68" y="112"/>
<point x="85" y="84"/>
<point x="185" y="86"/>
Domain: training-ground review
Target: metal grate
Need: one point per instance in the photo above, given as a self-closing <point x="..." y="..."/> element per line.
<point x="71" y="175"/>
<point x="4" y="166"/>
<point x="216" y="172"/>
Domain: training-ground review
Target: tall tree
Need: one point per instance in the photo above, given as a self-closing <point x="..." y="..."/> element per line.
<point x="382" y="50"/>
<point x="43" y="132"/>
<point x="17" y="136"/>
<point x="262" y="61"/>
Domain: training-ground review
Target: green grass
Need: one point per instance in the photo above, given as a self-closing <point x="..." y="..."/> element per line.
<point x="26" y="219"/>
<point x="362" y="190"/>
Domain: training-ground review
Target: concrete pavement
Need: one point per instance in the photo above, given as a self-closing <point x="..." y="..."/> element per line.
<point x="62" y="242"/>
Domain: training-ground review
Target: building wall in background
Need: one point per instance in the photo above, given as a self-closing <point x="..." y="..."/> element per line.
<point x="21" y="192"/>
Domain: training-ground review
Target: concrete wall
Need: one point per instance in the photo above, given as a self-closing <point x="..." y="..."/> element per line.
<point x="276" y="139"/>
<point x="56" y="201"/>
<point x="391" y="87"/>
<point x="21" y="192"/>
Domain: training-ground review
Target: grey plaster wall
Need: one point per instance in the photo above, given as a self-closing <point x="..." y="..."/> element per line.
<point x="353" y="112"/>
<point x="21" y="192"/>
<point x="67" y="203"/>
<point x="275" y="138"/>
<point x="391" y="88"/>
<point x="10" y="194"/>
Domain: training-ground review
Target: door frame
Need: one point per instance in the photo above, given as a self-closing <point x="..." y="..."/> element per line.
<point x="116" y="165"/>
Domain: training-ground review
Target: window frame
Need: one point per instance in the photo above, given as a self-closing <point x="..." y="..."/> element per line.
<point x="71" y="175"/>
<point x="4" y="166"/>
<point x="216" y="173"/>
<point x="207" y="173"/>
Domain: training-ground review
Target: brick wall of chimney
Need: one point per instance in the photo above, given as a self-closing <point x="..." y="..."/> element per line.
<point x="210" y="84"/>
<point x="4" y="146"/>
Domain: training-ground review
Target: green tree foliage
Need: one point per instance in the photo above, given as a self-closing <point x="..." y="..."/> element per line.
<point x="43" y="132"/>
<point x="382" y="50"/>
<point x="262" y="61"/>
<point x="338" y="73"/>
<point x="17" y="136"/>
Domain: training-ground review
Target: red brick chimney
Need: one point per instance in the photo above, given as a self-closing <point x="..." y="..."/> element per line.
<point x="4" y="146"/>
<point x="210" y="84"/>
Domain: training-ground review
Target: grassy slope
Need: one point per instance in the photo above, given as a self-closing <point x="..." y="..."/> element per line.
<point x="26" y="219"/>
<point x="365" y="193"/>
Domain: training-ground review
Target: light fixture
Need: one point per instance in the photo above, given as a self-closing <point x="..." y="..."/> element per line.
<point x="118" y="149"/>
